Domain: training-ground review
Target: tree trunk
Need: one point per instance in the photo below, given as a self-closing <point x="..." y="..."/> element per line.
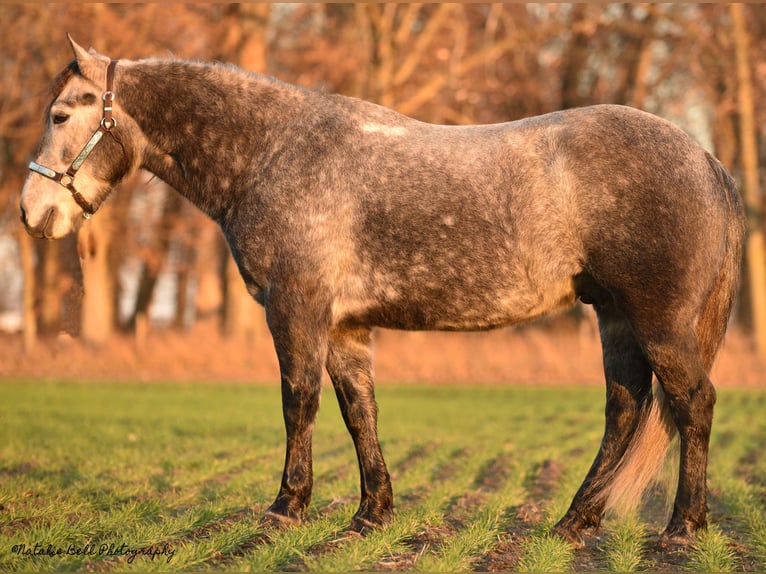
<point x="243" y="317"/>
<point x="94" y="247"/>
<point x="756" y="255"/>
<point x="155" y="257"/>
<point x="634" y="89"/>
<point x="182" y="298"/>
<point x="50" y="291"/>
<point x="29" y="316"/>
<point x="575" y="58"/>
<point x="209" y="248"/>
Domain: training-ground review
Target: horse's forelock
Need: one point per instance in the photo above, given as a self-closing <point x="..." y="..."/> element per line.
<point x="58" y="83"/>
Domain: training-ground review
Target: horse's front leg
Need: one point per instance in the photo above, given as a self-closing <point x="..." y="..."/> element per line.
<point x="349" y="364"/>
<point x="300" y="342"/>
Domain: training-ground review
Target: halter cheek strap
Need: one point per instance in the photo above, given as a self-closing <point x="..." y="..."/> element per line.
<point x="66" y="179"/>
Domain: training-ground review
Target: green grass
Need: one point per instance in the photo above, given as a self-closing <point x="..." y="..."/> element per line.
<point x="624" y="548"/>
<point x="545" y="553"/>
<point x="183" y="473"/>
<point x="712" y="552"/>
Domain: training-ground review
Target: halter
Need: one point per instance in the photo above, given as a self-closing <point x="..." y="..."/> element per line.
<point x="66" y="178"/>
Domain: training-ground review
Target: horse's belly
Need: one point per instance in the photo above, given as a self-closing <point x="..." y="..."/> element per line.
<point x="454" y="308"/>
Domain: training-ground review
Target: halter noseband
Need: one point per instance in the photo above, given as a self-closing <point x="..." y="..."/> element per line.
<point x="66" y="178"/>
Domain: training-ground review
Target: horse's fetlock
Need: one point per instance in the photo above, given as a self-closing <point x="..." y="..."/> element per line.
<point x="276" y="520"/>
<point x="574" y="524"/>
<point x="572" y="535"/>
<point x="290" y="509"/>
<point x="369" y="518"/>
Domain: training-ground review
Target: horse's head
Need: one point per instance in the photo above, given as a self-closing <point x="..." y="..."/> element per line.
<point x="85" y="150"/>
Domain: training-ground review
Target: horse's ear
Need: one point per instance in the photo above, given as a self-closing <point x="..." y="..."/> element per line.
<point x="79" y="51"/>
<point x="92" y="64"/>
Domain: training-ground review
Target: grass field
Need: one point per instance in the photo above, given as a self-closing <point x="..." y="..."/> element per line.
<point x="175" y="477"/>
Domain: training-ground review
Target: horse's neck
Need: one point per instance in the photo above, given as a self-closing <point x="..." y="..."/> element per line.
<point x="206" y="125"/>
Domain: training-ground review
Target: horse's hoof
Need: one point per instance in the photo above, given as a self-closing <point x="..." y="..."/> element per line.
<point x="278" y="521"/>
<point x="363" y="526"/>
<point x="680" y="534"/>
<point x="675" y="540"/>
<point x="366" y="522"/>
<point x="574" y="537"/>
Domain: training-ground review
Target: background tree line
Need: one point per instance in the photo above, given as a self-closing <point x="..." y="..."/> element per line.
<point x="702" y="66"/>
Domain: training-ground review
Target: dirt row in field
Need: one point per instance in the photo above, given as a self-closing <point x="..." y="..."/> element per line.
<point x="541" y="483"/>
<point x="558" y="351"/>
<point x="518" y="523"/>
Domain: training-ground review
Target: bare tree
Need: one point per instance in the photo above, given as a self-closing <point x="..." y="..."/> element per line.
<point x="756" y="255"/>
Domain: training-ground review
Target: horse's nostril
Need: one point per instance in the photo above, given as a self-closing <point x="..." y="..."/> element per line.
<point x="47" y="227"/>
<point x="23" y="215"/>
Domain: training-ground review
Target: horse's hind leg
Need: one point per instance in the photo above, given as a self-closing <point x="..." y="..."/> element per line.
<point x="676" y="359"/>
<point x="628" y="392"/>
<point x="349" y="364"/>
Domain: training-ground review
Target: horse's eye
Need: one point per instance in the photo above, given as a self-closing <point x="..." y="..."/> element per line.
<point x="60" y="118"/>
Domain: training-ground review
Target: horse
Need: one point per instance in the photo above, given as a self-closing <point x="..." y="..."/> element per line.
<point x="344" y="216"/>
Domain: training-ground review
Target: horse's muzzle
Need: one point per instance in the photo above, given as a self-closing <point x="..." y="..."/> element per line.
<point x="45" y="229"/>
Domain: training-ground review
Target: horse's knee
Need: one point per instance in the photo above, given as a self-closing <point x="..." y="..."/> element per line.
<point x="692" y="406"/>
<point x="704" y="394"/>
<point x="622" y="409"/>
<point x="677" y="362"/>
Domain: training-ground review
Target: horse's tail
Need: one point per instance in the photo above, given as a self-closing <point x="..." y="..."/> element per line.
<point x="712" y="323"/>
<point x="646" y="453"/>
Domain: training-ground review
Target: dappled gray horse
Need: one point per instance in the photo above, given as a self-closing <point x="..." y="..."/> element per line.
<point x="344" y="216"/>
